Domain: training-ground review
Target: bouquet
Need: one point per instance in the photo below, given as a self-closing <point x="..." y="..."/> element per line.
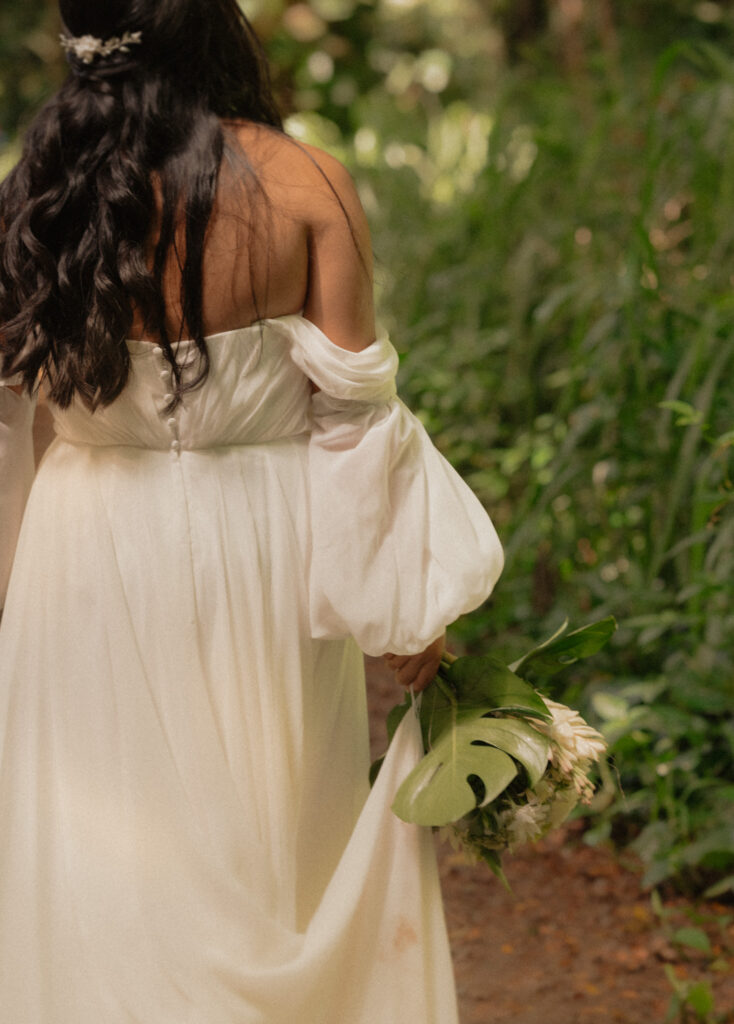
<point x="503" y="764"/>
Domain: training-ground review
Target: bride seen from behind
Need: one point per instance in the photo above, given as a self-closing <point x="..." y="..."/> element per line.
<point x="235" y="503"/>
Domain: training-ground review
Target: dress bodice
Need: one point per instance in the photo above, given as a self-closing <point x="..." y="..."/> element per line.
<point x="398" y="545"/>
<point x="254" y="393"/>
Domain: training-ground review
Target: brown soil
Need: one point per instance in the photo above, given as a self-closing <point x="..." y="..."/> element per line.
<point x="577" y="941"/>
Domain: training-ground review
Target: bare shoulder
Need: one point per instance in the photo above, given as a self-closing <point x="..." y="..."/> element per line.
<point x="314" y="190"/>
<point x="325" y="167"/>
<point x="334" y="190"/>
<point x="310" y="180"/>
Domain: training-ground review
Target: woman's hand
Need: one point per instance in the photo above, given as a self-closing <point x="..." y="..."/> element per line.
<point x="417" y="670"/>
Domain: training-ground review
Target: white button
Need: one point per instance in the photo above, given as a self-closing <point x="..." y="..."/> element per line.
<point x="175" y="446"/>
<point x="171" y="421"/>
<point x="168" y="397"/>
<point x="164" y="374"/>
<point x="158" y="351"/>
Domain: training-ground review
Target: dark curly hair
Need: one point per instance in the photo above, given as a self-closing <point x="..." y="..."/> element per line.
<point x="76" y="212"/>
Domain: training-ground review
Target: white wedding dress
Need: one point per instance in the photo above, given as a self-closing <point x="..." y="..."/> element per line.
<point x="187" y="835"/>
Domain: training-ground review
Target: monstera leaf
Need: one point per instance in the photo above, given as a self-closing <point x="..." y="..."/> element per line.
<point x="468" y="688"/>
<point x="476" y="722"/>
<point x="484" y="681"/>
<point x="439" y="791"/>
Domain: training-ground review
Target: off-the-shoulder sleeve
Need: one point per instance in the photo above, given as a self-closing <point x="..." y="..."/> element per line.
<point x="16" y="473"/>
<point x="401" y="545"/>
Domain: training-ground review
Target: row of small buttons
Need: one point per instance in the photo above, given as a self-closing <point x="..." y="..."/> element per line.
<point x="171" y="422"/>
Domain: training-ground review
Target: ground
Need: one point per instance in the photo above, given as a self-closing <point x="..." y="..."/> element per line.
<point x="577" y="941"/>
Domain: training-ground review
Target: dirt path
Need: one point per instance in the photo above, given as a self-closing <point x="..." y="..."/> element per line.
<point x="577" y="942"/>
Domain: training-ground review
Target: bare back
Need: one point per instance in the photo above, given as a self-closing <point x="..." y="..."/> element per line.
<point x="296" y="242"/>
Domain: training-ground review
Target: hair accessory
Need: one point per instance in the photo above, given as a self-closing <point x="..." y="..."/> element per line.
<point x="86" y="48"/>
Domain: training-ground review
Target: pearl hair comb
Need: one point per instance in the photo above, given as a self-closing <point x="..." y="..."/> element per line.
<point x="87" y="48"/>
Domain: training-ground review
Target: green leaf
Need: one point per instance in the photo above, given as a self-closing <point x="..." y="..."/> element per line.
<point x="394" y="718"/>
<point x="475" y="686"/>
<point x="719" y="888"/>
<point x="542" y="646"/>
<point x="700" y="999"/>
<point x="609" y="706"/>
<point x="716" y="840"/>
<point x="675" y="983"/>
<point x="494" y="861"/>
<point x="520" y="740"/>
<point x="438" y="790"/>
<point x="700" y="696"/>
<point x="488" y="683"/>
<point x="657" y="904"/>
<point x="557" y="654"/>
<point x="694" y="938"/>
<point x="375" y="769"/>
<point x="687" y="415"/>
<point x="396" y="715"/>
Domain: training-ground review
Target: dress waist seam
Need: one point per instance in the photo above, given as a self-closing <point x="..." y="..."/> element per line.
<point x="164" y="450"/>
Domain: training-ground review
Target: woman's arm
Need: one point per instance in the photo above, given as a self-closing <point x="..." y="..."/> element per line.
<point x="340" y="302"/>
<point x="339" y="296"/>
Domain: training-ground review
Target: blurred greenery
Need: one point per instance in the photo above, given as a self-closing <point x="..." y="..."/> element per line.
<point x="550" y="185"/>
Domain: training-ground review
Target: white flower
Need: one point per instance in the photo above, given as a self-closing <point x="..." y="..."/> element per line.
<point x="574" y="744"/>
<point x="545" y="788"/>
<point x="524" y="823"/>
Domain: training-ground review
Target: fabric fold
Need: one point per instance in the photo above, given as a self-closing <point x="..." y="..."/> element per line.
<point x="401" y="545"/>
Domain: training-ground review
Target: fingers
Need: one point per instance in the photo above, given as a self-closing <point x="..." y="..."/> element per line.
<point x="425" y="675"/>
<point x="407" y="667"/>
<point x="416" y="670"/>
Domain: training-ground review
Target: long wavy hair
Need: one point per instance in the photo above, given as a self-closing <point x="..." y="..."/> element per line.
<point x="77" y="211"/>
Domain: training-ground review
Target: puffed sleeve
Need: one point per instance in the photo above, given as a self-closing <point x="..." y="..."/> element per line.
<point x="16" y="473"/>
<point x="401" y="545"/>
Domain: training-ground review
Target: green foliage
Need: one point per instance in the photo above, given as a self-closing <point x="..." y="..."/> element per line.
<point x="673" y="740"/>
<point x="693" y="996"/>
<point x="564" y="649"/>
<point x="465" y="743"/>
<point x="476" y="720"/>
<point x="692" y="1000"/>
<point x="30" y="61"/>
<point x="439" y="792"/>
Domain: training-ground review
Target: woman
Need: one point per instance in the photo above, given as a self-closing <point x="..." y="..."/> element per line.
<point x="234" y="504"/>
